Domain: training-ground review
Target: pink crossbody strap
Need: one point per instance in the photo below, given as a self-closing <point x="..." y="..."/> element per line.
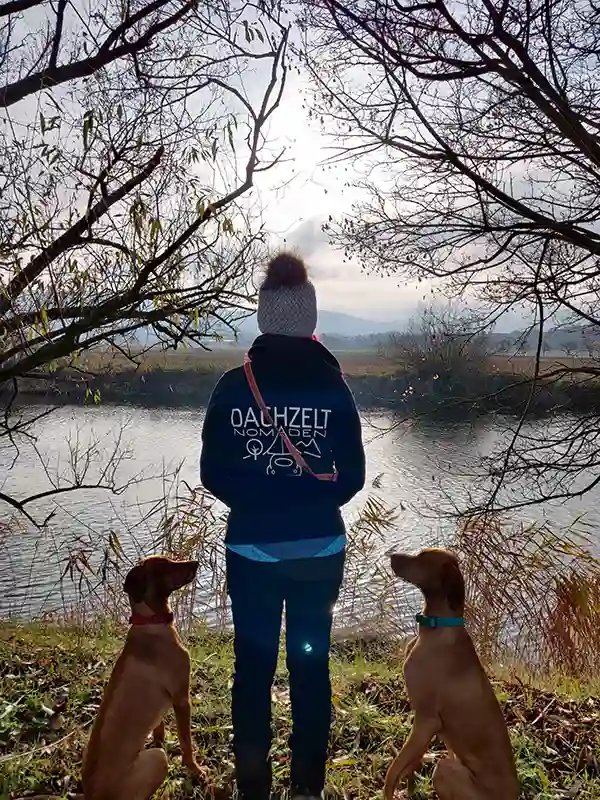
<point x="292" y="450"/>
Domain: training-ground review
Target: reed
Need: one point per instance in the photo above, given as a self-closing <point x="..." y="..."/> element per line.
<point x="533" y="594"/>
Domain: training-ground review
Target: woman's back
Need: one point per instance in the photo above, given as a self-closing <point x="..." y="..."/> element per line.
<point x="245" y="461"/>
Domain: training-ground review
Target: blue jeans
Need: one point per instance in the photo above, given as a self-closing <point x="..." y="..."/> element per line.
<point x="258" y="591"/>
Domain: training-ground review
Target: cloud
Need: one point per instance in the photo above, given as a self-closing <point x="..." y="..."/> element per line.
<point x="307" y="238"/>
<point x="298" y="196"/>
<point x="341" y="283"/>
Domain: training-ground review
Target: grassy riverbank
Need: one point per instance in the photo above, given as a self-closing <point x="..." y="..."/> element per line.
<point x="186" y="378"/>
<point x="355" y="363"/>
<point x="51" y="680"/>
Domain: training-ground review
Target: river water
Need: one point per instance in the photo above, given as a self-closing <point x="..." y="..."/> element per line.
<point x="423" y="468"/>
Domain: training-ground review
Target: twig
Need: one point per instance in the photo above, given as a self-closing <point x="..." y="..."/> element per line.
<point x="44" y="748"/>
<point x="543" y="712"/>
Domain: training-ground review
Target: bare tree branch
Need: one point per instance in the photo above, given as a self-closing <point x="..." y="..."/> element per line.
<point x="60" y="19"/>
<point x="125" y="201"/>
<point x="16" y="6"/>
<point x="478" y="128"/>
<point x="74" y="235"/>
<point x="54" y="75"/>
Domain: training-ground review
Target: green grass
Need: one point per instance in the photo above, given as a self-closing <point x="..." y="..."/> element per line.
<point x="51" y="681"/>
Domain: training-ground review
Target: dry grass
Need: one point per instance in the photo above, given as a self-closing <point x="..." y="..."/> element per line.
<point x="354" y="363"/>
<point x="217" y="361"/>
<point x="524" y="366"/>
<point x="189" y="526"/>
<point x="533" y="596"/>
<point x="533" y="593"/>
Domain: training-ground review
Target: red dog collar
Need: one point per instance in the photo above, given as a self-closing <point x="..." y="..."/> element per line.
<point x="155" y="619"/>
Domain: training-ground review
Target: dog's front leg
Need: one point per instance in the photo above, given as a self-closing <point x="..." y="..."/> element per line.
<point x="408" y="759"/>
<point x="183" y="717"/>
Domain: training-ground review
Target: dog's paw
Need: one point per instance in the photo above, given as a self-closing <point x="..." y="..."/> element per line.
<point x="196" y="769"/>
<point x="393" y="791"/>
<point x="397" y="794"/>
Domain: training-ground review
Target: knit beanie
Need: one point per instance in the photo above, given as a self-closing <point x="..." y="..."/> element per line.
<point x="287" y="303"/>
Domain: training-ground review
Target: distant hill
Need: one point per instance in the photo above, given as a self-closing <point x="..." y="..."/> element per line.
<point x="332" y="323"/>
<point x="560" y="341"/>
<point x="346" y="332"/>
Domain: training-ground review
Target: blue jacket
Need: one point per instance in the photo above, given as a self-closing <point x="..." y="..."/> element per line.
<point x="245" y="464"/>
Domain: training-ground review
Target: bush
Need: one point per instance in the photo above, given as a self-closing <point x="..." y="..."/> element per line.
<point x="443" y="352"/>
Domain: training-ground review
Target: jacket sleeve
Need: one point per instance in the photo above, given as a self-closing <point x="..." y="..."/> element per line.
<point x="215" y="467"/>
<point x="348" y="449"/>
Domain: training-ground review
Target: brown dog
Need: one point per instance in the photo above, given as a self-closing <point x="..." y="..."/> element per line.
<point x="449" y="692"/>
<point x="151" y="675"/>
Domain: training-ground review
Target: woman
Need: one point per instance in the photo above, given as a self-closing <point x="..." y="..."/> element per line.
<point x="282" y="448"/>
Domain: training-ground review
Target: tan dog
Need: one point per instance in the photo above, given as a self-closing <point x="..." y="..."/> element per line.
<point x="151" y="675"/>
<point x="450" y="694"/>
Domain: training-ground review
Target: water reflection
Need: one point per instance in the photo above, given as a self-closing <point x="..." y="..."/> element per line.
<point x="427" y="468"/>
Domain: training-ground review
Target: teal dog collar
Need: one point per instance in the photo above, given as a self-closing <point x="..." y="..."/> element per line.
<point x="440" y="622"/>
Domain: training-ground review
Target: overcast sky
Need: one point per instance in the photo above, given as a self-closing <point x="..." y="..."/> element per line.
<point x="294" y="211"/>
<point x="298" y="197"/>
<point x="300" y="194"/>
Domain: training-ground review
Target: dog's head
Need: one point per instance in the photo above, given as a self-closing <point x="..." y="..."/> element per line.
<point x="435" y="572"/>
<point x="155" y="578"/>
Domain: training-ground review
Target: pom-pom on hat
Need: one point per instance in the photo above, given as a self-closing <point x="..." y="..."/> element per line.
<point x="287" y="303"/>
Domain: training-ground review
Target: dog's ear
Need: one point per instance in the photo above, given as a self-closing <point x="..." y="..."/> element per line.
<point x="453" y="585"/>
<point x="135" y="583"/>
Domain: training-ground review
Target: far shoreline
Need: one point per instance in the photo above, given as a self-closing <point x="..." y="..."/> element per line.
<point x="185" y="379"/>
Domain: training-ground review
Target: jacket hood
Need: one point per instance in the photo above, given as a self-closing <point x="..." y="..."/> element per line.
<point x="293" y="350"/>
